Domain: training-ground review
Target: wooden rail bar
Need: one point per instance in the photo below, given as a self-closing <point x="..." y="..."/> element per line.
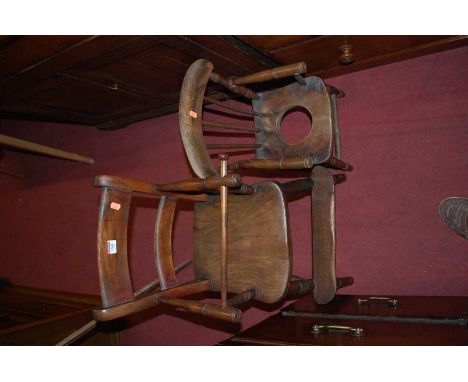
<point x="238" y="89"/>
<point x="155" y="283"/>
<point x="272" y="74"/>
<point x="242" y="298"/>
<point x="223" y="158"/>
<point x="342" y="282"/>
<point x="338" y="164"/>
<point x="226" y="313"/>
<point x="145" y="302"/>
<point x="125" y="184"/>
<point x="41" y="149"/>
<point x="233" y="146"/>
<point x="297" y="186"/>
<point x="271" y="164"/>
<point x="210" y="183"/>
<point x="298" y="288"/>
<point x="244" y="189"/>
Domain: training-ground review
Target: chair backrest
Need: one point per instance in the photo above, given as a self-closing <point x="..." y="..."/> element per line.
<point x="320" y="146"/>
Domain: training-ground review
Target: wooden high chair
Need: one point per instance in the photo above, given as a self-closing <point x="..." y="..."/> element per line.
<point x="319" y="150"/>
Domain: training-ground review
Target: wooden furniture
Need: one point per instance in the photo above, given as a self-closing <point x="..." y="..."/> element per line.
<point x="112" y="81"/>
<point x="320" y="148"/>
<point x="34" y="316"/>
<point x="249" y="253"/>
<point x="251" y="257"/>
<point x="364" y="320"/>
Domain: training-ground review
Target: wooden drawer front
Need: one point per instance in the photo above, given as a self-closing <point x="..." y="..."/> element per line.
<point x="281" y="330"/>
<point x="440" y="308"/>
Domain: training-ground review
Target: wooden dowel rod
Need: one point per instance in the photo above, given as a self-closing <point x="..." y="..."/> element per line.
<point x="272" y="74"/>
<point x="301" y="80"/>
<point x="335" y="126"/>
<point x="238" y="89"/>
<point x="233" y="146"/>
<point x="271" y="164"/>
<point x="6" y="171"/>
<point x="226" y="313"/>
<point x="41" y="149"/>
<point x="77" y="334"/>
<point x="300" y="287"/>
<point x="342" y="282"/>
<point x="230" y="107"/>
<point x="230" y="126"/>
<point x="339" y="178"/>
<point x="244" y="189"/>
<point x="155" y="283"/>
<point x="223" y="158"/>
<point x="338" y="164"/>
<point x="210" y="183"/>
<point x="297" y="186"/>
<point x="242" y="298"/>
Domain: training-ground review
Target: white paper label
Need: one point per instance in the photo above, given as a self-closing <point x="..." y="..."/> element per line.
<point x="111" y="247"/>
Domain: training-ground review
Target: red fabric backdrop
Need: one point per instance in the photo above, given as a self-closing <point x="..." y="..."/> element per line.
<point x="404" y="128"/>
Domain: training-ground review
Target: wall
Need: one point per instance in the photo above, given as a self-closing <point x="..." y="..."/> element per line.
<point x="404" y="128"/>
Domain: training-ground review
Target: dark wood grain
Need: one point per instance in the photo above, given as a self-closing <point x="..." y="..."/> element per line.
<point x="279" y="330"/>
<point x="190" y="117"/>
<point x="210" y="183"/>
<point x="114" y="273"/>
<point x="259" y="253"/>
<point x="126" y="184"/>
<point x="274" y="104"/>
<point x="321" y="53"/>
<point x="137" y="305"/>
<point x="130" y="78"/>
<point x="323" y="235"/>
<point x="163" y="242"/>
<point x="34" y="316"/>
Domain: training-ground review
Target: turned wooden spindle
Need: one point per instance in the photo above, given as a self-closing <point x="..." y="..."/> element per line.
<point x="223" y="158"/>
<point x="271" y="164"/>
<point x="210" y="183"/>
<point x="298" y="186"/>
<point x="238" y="89"/>
<point x="342" y="282"/>
<point x="230" y="107"/>
<point x="226" y="313"/>
<point x="233" y="146"/>
<point x="244" y="189"/>
<point x="231" y="126"/>
<point x="339" y="178"/>
<point x="300" y="287"/>
<point x="272" y="74"/>
<point x="338" y="164"/>
<point x="242" y="298"/>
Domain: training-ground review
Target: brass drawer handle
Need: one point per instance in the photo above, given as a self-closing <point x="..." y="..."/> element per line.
<point x="355" y="332"/>
<point x="390" y="301"/>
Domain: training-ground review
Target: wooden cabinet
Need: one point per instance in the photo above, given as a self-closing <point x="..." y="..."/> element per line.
<point x="363" y="320"/>
<point x="32" y="316"/>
